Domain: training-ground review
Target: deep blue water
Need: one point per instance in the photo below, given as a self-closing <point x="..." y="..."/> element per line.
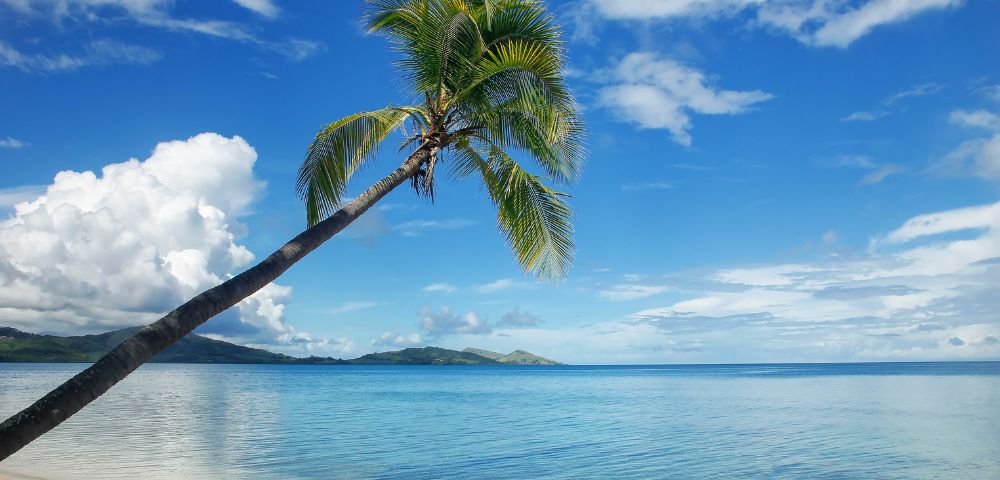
<point x="845" y="421"/>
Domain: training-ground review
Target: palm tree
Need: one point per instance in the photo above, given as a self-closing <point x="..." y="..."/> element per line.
<point x="488" y="78"/>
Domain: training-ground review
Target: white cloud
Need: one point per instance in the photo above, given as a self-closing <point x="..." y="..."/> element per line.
<point x="830" y="236"/>
<point x="265" y="8"/>
<point x="993" y="92"/>
<point x="415" y="228"/>
<point x="440" y="287"/>
<point x="96" y="52"/>
<point x="915" y="291"/>
<point x="976" y="118"/>
<point x="156" y="14"/>
<point x="883" y="172"/>
<point x="662" y="94"/>
<point x="625" y="292"/>
<point x="501" y="285"/>
<point x="518" y="318"/>
<point x="863" y="116"/>
<point x="921" y="90"/>
<point x="642" y="187"/>
<point x="446" y="322"/>
<point x="879" y="171"/>
<point x="887" y="109"/>
<point x="99" y="251"/>
<point x="980" y="156"/>
<point x="812" y="22"/>
<point x="11" y="142"/>
<point x="352" y="307"/>
<point x="394" y="339"/>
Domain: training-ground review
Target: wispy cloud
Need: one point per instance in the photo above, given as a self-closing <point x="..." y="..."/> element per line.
<point x="500" y="285"/>
<point x="11" y="142"/>
<point x="921" y="285"/>
<point x="879" y="173"/>
<point x="440" y="287"/>
<point x="642" y="187"/>
<point x="415" y="228"/>
<point x="149" y="13"/>
<point x="978" y="156"/>
<point x="352" y="307"/>
<point x="97" y="52"/>
<point x="865" y="116"/>
<point x="891" y="101"/>
<point x="625" y="292"/>
<point x="264" y="8"/>
<point x="818" y="23"/>
<point x="883" y="172"/>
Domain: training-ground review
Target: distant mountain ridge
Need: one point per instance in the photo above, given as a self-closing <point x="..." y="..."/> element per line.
<point x="517" y="357"/>
<point x="18" y="346"/>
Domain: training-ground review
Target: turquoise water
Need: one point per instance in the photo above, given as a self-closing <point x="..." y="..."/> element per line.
<point x="871" y="421"/>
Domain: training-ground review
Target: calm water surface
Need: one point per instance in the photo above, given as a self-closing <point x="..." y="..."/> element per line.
<point x="871" y="421"/>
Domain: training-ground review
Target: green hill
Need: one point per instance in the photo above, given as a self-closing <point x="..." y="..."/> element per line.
<point x="484" y="353"/>
<point x="517" y="357"/>
<point x="423" y="356"/>
<point x="18" y="346"/>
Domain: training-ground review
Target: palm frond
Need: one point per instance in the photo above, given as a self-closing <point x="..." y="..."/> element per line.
<point x="337" y="152"/>
<point x="535" y="219"/>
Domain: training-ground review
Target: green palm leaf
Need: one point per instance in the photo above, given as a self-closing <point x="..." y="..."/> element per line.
<point x="535" y="219"/>
<point x="337" y="152"/>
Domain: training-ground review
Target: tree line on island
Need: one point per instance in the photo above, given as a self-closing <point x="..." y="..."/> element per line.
<point x="18" y="346"/>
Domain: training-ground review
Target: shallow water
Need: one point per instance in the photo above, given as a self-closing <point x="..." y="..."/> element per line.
<point x="913" y="421"/>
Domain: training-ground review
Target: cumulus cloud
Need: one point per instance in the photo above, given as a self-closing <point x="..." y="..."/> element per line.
<point x="122" y="247"/>
<point x="820" y="23"/>
<point x="657" y="93"/>
<point x="921" y="285"/>
<point x="393" y="338"/>
<point x="518" y="318"/>
<point x="446" y="322"/>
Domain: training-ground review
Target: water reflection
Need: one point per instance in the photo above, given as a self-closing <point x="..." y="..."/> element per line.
<point x="231" y="421"/>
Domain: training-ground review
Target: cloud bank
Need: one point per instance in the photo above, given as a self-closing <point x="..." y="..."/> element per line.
<point x="122" y="247"/>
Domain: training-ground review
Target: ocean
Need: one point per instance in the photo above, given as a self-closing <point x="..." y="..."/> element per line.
<point x="816" y="421"/>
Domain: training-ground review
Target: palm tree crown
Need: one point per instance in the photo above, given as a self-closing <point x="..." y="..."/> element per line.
<point x="489" y="76"/>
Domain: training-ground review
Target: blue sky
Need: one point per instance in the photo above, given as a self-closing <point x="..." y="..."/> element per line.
<point x="798" y="181"/>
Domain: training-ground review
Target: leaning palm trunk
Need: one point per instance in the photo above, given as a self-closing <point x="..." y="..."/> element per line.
<point x="491" y="76"/>
<point x="61" y="403"/>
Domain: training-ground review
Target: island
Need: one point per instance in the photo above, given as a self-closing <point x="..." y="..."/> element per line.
<point x="19" y="346"/>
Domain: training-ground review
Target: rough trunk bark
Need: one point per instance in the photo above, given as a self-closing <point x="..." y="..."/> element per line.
<point x="61" y="403"/>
